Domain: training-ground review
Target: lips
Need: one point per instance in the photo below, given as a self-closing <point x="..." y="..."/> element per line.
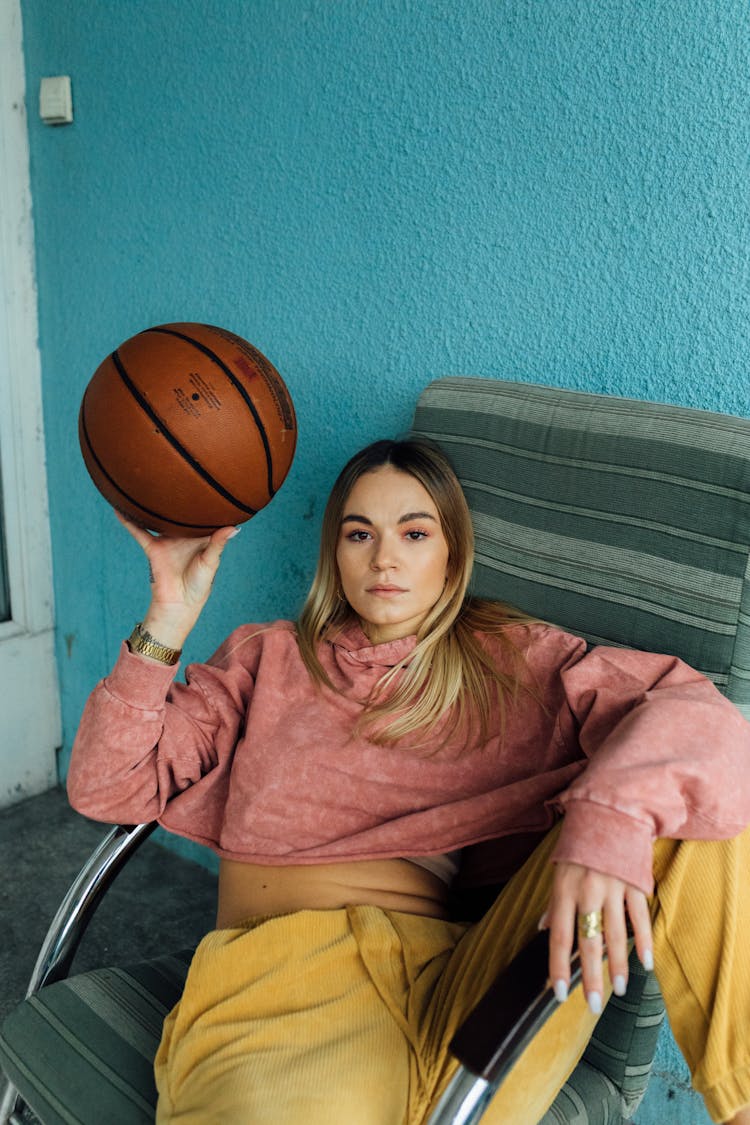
<point x="386" y="590"/>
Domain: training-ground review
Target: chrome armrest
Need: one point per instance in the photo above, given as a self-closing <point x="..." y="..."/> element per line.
<point x="498" y="1030"/>
<point x="84" y="895"/>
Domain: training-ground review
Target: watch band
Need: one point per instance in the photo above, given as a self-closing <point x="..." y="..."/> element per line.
<point x="141" y="641"/>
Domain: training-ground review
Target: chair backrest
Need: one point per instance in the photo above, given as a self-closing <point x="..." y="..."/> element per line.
<point x="623" y="521"/>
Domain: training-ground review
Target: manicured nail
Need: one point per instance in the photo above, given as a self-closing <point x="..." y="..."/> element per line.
<point x="543" y="922"/>
<point x="236" y="531"/>
<point x="561" y="991"/>
<point x="647" y="960"/>
<point x="594" y="1002"/>
<point x="619" y="985"/>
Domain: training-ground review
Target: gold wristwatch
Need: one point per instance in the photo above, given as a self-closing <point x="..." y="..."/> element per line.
<point x="140" y="640"/>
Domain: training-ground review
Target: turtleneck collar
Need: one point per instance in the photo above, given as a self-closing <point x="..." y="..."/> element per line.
<point x="351" y="644"/>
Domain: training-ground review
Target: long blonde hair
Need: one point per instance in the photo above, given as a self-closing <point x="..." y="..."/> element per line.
<point x="449" y="672"/>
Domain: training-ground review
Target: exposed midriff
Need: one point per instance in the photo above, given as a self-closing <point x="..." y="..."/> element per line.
<point x="247" y="890"/>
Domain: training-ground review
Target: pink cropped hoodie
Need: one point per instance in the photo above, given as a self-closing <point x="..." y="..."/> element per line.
<point x="253" y="759"/>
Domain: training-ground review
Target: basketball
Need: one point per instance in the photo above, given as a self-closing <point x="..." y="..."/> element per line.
<point x="185" y="428"/>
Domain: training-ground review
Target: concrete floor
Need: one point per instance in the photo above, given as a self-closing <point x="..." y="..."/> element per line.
<point x="159" y="902"/>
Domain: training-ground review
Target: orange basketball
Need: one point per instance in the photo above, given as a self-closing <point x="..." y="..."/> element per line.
<point x="185" y="428"/>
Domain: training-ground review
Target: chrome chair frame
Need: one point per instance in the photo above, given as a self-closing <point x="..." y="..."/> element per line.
<point x="69" y="925"/>
<point x="488" y="1047"/>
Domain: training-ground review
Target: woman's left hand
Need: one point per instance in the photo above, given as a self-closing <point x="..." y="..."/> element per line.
<point x="579" y="890"/>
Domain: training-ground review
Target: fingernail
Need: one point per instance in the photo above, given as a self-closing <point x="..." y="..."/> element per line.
<point x="619" y="985"/>
<point x="543" y="922"/>
<point x="561" y="991"/>
<point x="647" y="960"/>
<point x="594" y="1002"/>
<point x="236" y="531"/>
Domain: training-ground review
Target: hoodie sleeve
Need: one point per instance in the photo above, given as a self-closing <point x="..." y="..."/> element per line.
<point x="143" y="738"/>
<point x="667" y="756"/>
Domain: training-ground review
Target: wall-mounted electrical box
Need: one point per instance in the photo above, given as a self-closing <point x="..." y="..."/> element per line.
<point x="56" y="100"/>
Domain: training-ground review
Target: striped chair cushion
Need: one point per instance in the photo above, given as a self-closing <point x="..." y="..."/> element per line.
<point x="81" y="1051"/>
<point x="626" y="522"/>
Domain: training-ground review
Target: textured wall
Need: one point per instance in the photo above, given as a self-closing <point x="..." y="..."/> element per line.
<point x="376" y="194"/>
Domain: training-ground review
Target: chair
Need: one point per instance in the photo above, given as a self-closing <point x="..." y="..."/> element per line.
<point x="625" y="522"/>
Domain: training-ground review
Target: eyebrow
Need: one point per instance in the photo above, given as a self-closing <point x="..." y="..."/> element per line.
<point x="408" y="518"/>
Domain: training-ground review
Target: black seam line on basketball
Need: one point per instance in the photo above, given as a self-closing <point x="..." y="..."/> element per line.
<point x="238" y="386"/>
<point x="207" y="527"/>
<point x="174" y="442"/>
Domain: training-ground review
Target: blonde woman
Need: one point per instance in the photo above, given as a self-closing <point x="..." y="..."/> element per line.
<point x="348" y="767"/>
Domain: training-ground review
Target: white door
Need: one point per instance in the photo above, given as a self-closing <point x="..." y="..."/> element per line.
<point x="29" y="697"/>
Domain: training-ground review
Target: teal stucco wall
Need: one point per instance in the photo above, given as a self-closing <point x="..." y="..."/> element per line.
<point x="375" y="194"/>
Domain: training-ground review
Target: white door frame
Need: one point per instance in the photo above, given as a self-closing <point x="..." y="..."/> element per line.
<point x="29" y="693"/>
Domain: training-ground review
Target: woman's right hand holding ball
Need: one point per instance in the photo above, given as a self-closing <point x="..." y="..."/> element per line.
<point x="181" y="573"/>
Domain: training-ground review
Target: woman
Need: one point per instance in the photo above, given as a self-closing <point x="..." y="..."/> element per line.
<point x="340" y="768"/>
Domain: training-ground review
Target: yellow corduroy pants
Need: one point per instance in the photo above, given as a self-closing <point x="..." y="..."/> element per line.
<point x="342" y="1017"/>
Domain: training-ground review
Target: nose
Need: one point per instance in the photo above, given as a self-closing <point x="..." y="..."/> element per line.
<point x="383" y="556"/>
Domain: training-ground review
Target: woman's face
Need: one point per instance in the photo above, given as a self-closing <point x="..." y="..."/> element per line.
<point x="392" y="555"/>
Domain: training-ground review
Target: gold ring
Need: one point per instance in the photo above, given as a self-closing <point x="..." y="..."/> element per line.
<point x="590" y="924"/>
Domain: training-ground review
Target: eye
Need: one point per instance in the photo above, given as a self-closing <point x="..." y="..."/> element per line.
<point x="359" y="536"/>
<point x="415" y="534"/>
